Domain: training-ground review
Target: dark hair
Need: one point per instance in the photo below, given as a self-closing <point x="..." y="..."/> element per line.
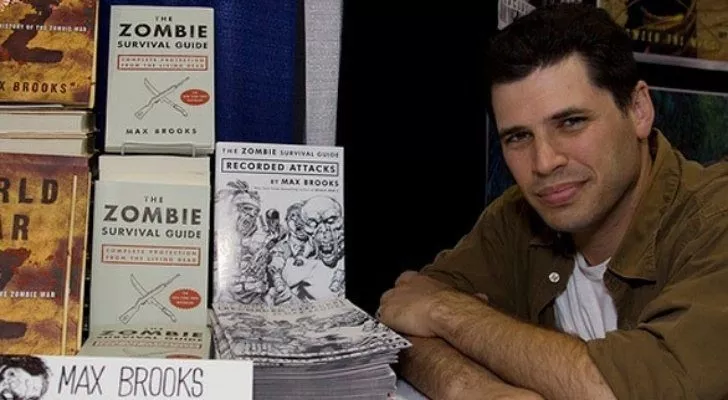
<point x="552" y="33"/>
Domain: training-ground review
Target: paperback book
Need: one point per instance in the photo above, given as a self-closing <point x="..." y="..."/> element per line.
<point x="279" y="223"/>
<point x="161" y="95"/>
<point x="150" y="241"/>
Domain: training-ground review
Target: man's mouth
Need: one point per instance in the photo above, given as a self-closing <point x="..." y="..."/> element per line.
<point x="560" y="194"/>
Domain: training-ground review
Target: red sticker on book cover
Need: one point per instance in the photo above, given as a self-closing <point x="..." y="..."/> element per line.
<point x="195" y="97"/>
<point x="185" y="298"/>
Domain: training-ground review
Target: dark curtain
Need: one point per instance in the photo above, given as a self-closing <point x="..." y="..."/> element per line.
<point x="411" y="118"/>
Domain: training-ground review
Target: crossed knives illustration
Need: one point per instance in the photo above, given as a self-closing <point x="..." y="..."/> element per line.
<point x="160" y="96"/>
<point x="147" y="297"/>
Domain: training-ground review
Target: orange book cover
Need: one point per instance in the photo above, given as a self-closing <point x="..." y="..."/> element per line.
<point x="44" y="204"/>
<point x="48" y="51"/>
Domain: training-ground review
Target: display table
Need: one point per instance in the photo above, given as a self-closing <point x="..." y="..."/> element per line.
<point x="405" y="391"/>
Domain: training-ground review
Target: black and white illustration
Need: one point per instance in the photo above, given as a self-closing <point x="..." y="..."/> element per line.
<point x="334" y="328"/>
<point x="510" y="10"/>
<point x="279" y="223"/>
<point x="147" y="299"/>
<point x="23" y="378"/>
<point x="290" y="252"/>
<point x="157" y="96"/>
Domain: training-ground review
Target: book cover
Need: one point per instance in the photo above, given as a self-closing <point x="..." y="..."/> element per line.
<point x="279" y="223"/>
<point x="680" y="32"/>
<point x="150" y="246"/>
<point x="44" y="203"/>
<point x="149" y="341"/>
<point x="48" y="51"/>
<point x="161" y="80"/>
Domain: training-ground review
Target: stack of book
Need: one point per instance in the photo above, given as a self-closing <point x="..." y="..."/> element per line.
<point x="279" y="277"/>
<point x="47" y="81"/>
<point x="150" y="252"/>
<point x="328" y="349"/>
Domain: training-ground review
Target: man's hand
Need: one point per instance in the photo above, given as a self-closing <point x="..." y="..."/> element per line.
<point x="406" y="308"/>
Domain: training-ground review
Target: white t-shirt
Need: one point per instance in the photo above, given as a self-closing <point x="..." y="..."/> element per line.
<point x="586" y="308"/>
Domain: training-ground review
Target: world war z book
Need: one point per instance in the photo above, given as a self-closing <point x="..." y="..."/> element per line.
<point x="48" y="51"/>
<point x="44" y="204"/>
<point x="161" y="80"/>
<point x="279" y="223"/>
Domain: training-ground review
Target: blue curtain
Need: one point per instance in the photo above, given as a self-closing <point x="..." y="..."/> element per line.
<point x="255" y="50"/>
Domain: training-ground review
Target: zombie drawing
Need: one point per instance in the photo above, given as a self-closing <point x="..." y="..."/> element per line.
<point x="321" y="275"/>
<point x="298" y="258"/>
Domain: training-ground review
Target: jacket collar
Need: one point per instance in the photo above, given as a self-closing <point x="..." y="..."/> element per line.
<point x="635" y="256"/>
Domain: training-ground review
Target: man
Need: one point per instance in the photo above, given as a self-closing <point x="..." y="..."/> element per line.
<point x="602" y="274"/>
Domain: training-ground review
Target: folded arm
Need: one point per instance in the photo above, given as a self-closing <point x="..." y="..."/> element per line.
<point x="441" y="372"/>
<point x="551" y="363"/>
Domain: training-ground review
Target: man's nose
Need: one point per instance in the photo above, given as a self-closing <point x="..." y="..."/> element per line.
<point x="547" y="157"/>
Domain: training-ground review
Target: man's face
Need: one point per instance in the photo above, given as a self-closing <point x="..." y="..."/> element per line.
<point x="571" y="150"/>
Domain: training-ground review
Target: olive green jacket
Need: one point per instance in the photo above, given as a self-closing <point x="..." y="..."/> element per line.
<point x="668" y="279"/>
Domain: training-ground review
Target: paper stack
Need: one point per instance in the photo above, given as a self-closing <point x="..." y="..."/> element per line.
<point x="320" y="350"/>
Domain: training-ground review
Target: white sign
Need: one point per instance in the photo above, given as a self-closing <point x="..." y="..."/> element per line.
<point x="60" y="378"/>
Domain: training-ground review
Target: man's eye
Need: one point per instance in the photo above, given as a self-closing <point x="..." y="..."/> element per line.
<point x="516" y="137"/>
<point x="573" y="122"/>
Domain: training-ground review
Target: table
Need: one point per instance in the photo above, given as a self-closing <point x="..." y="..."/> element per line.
<point x="405" y="391"/>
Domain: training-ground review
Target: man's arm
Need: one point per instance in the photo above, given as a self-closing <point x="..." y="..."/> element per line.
<point x="551" y="363"/>
<point x="441" y="372"/>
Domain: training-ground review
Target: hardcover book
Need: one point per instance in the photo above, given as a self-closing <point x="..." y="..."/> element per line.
<point x="150" y="241"/>
<point x="161" y="80"/>
<point x="279" y="223"/>
<point x="691" y="33"/>
<point x="44" y="204"/>
<point x="48" y="51"/>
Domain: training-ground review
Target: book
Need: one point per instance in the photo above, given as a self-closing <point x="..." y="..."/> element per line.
<point x="149" y="341"/>
<point x="48" y="52"/>
<point x="150" y="241"/>
<point x="322" y="349"/>
<point x="45" y="122"/>
<point x="161" y="95"/>
<point x="44" y="205"/>
<point x="279" y="223"/>
<point x="62" y="145"/>
<point x="692" y="33"/>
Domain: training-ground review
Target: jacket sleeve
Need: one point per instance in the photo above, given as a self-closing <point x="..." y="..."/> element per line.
<point x="678" y="349"/>
<point x="481" y="262"/>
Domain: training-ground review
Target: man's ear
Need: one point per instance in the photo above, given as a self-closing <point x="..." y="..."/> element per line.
<point x="642" y="112"/>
